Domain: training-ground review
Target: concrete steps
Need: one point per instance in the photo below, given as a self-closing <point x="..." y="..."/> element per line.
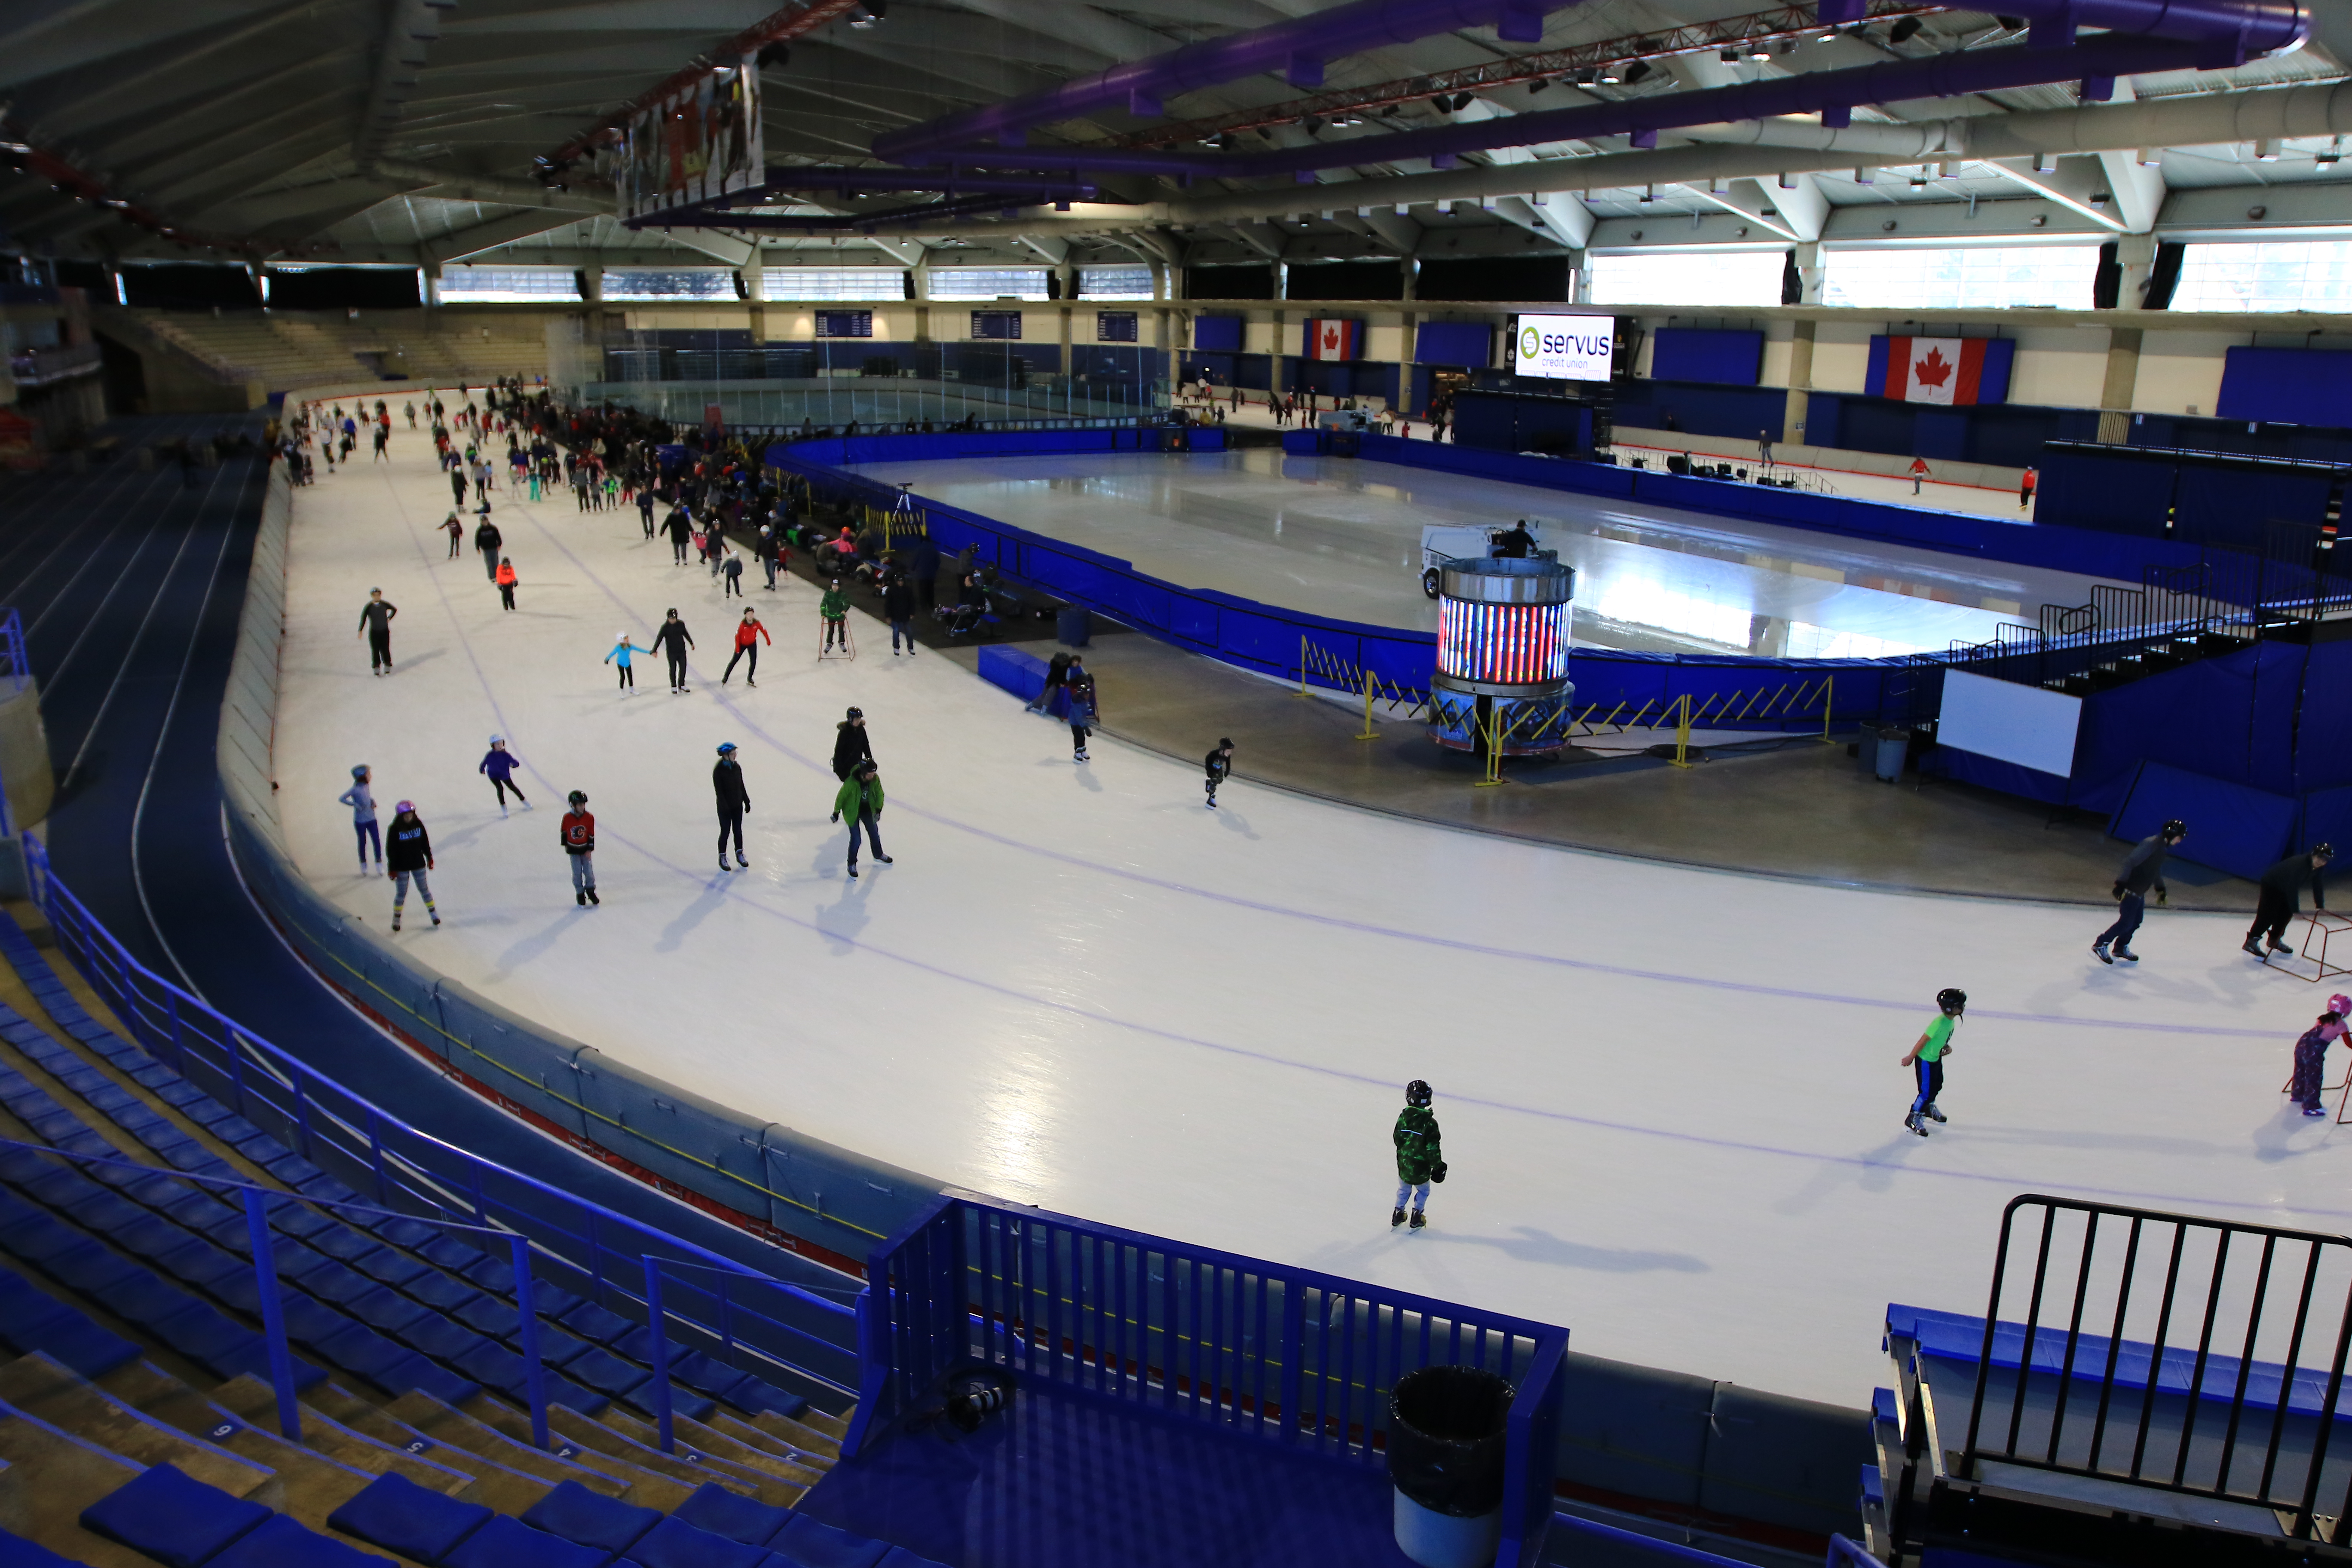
<point x="43" y="1389"/>
<point x="495" y="1485"/>
<point x="56" y="1476"/>
<point x="444" y="1423"/>
<point x="645" y="1487"/>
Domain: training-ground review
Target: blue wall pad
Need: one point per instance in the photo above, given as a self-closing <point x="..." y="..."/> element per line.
<point x="1468" y="344"/>
<point x="2232" y="829"/>
<point x="2290" y="386"/>
<point x="1217" y="333"/>
<point x="1696" y="353"/>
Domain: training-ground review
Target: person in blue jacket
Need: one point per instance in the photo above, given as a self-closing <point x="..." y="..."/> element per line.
<point x="498" y="766"/>
<point x="622" y="648"/>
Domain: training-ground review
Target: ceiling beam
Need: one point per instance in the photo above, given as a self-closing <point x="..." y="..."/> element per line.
<point x="489" y="236"/>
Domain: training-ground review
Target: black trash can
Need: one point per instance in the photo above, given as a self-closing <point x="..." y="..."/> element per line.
<point x="1074" y="625"/>
<point x="1446" y="1431"/>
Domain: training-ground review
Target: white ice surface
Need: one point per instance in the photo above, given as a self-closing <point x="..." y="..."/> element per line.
<point x="1341" y="537"/>
<point x="1670" y="1096"/>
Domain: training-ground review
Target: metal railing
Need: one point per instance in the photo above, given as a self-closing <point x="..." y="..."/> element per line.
<point x="16" y="665"/>
<point x="1262" y="1351"/>
<point x="2191" y="1355"/>
<point x="805" y="1340"/>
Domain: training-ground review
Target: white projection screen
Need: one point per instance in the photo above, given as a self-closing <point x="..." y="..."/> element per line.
<point x="2009" y="723"/>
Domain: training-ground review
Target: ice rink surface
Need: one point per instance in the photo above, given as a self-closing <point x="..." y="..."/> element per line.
<point x="1670" y="1097"/>
<point x="1341" y="537"/>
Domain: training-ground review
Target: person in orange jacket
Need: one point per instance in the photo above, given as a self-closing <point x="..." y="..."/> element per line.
<point x="507" y="580"/>
<point x="578" y="831"/>
<point x="748" y="634"/>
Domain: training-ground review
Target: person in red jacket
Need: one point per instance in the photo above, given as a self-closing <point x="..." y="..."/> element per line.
<point x="579" y="834"/>
<point x="747" y="640"/>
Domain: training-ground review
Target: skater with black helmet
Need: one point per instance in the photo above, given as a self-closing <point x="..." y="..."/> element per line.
<point x="860" y="800"/>
<point x="2143" y="869"/>
<point x="1935" y="1044"/>
<point x="673" y="639"/>
<point x="578" y="833"/>
<point x="734" y="801"/>
<point x="411" y="857"/>
<point x="1219" y="766"/>
<point x="851" y="744"/>
<point x="2282" y="897"/>
<point x="1419" y="1160"/>
<point x="498" y="766"/>
<point x="1083" y="712"/>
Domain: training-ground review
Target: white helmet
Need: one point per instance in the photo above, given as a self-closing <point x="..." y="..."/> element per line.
<point x="497" y="739"/>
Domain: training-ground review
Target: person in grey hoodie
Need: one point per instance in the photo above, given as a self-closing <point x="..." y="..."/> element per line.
<point x="363" y="804"/>
<point x="2143" y="869"/>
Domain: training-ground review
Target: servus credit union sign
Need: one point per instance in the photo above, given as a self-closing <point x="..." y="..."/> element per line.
<point x="1563" y="347"/>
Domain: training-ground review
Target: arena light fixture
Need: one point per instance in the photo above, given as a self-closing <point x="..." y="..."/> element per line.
<point x="1904" y="30"/>
<point x="1636" y="71"/>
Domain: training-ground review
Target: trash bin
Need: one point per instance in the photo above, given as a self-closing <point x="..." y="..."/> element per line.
<point x="1446" y="1430"/>
<point x="1074" y="626"/>
<point x="1893" y="746"/>
<point x="1865" y="752"/>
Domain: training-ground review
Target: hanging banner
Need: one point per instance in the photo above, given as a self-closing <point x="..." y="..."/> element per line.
<point x="1328" y="338"/>
<point x="696" y="144"/>
<point x="1956" y="372"/>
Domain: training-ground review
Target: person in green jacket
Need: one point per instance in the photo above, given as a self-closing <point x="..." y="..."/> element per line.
<point x="834" y="606"/>
<point x="860" y="800"/>
<point x="1419" y="1158"/>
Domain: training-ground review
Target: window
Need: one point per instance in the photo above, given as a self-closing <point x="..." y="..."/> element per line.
<point x="1961" y="277"/>
<point x="844" y="323"/>
<point x="1688" y="278"/>
<point x="1004" y="324"/>
<point x="988" y="283"/>
<point x="2284" y="275"/>
<point x="701" y="283"/>
<point x="1116" y="327"/>
<point x="835" y="282"/>
<point x="464" y="283"/>
<point x="1113" y="282"/>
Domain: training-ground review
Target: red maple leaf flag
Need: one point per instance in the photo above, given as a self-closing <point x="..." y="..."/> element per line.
<point x="1932" y="370"/>
<point x="1331" y="339"/>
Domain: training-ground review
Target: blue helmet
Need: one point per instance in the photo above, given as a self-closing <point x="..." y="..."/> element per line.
<point x="725" y="747"/>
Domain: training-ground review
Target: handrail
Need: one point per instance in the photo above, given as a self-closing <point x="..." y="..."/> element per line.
<point x="256" y="1201"/>
<point x="323" y="1118"/>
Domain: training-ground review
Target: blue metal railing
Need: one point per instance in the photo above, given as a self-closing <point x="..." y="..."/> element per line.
<point x="804" y="1341"/>
<point x="15" y="666"/>
<point x="258" y="1202"/>
<point x="1263" y="1351"/>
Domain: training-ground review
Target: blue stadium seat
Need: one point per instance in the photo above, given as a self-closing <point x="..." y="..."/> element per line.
<point x="899" y="1557"/>
<point x="509" y="1544"/>
<point x="807" y="1544"/>
<point x="714" y="1509"/>
<point x="179" y="1521"/>
<point x="591" y="1321"/>
<point x="18" y="1552"/>
<point x="584" y="1518"/>
<point x="673" y="1544"/>
<point x="283" y="1542"/>
<point x="405" y="1518"/>
<point x="31" y="1319"/>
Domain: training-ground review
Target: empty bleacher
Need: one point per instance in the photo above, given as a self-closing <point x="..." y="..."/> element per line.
<point x="143" y="1416"/>
<point x="287" y="349"/>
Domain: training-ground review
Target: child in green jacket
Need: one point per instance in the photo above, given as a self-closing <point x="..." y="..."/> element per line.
<point x="860" y="800"/>
<point x="1420" y="1161"/>
<point x="834" y="606"/>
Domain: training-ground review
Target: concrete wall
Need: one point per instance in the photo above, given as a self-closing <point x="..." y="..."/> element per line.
<point x="25" y="772"/>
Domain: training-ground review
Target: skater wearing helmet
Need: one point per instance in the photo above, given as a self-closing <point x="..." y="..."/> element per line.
<point x="727" y="782"/>
<point x="498" y="766"/>
<point x="673" y="639"/>
<point x="412" y="856"/>
<point x="1419" y="1158"/>
<point x="2282" y="897"/>
<point x="363" y="804"/>
<point x="850" y="744"/>
<point x="622" y="650"/>
<point x="2143" y="869"/>
<point x="2311" y="1056"/>
<point x="578" y="833"/>
<point x="860" y="800"/>
<point x="1935" y="1044"/>
<point x="1219" y="767"/>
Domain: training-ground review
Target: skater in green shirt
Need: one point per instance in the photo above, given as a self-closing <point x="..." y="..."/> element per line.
<point x="1419" y="1160"/>
<point x="1935" y="1044"/>
<point x="833" y="606"/>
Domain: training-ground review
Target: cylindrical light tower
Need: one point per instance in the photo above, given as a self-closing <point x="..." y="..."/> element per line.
<point x="1502" y="655"/>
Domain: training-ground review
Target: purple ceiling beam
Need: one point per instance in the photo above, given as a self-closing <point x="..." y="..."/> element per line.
<point x="2106" y="56"/>
<point x="1297" y="48"/>
<point x="2249" y="27"/>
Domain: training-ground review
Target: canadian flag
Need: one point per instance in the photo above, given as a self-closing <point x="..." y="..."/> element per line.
<point x="1331" y="339"/>
<point x="1934" y="369"/>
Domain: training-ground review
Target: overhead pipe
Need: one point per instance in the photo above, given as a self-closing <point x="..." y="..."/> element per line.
<point x="2241" y="28"/>
<point x="834" y="177"/>
<point x="1833" y="95"/>
<point x="1298" y="48"/>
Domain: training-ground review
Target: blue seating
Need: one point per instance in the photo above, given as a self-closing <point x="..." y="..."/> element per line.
<point x="18" y="1552"/>
<point x="179" y="1521"/>
<point x="899" y="1557"/>
<point x="404" y="1518"/>
<point x="32" y="1319"/>
<point x="807" y="1543"/>
<point x="673" y="1544"/>
<point x="718" y="1511"/>
<point x="509" y="1544"/>
<point x="578" y="1515"/>
<point x="283" y="1542"/>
